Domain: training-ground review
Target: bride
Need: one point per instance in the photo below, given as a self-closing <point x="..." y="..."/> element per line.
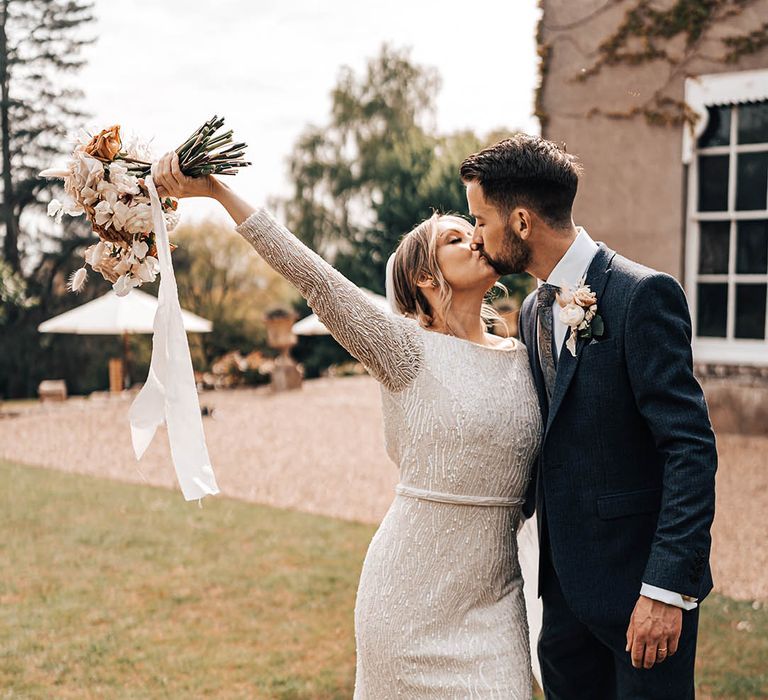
<point x="440" y="611"/>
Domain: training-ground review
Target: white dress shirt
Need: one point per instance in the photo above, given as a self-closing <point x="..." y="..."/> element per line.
<point x="567" y="273"/>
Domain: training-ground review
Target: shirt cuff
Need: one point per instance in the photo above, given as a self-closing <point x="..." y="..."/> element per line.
<point x="669" y="597"/>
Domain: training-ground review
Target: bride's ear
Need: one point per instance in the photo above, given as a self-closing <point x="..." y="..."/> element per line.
<point x="426" y="282"/>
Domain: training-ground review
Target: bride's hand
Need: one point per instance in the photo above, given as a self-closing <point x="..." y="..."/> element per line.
<point x="171" y="182"/>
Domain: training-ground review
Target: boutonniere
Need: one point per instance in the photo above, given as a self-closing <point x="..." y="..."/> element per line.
<point x="579" y="312"/>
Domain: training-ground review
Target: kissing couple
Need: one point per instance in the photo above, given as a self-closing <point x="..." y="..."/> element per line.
<point x="592" y="421"/>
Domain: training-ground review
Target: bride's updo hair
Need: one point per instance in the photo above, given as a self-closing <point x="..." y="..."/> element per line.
<point x="416" y="260"/>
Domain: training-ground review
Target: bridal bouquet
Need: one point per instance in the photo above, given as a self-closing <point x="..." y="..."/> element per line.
<point x="105" y="180"/>
<point x="113" y="185"/>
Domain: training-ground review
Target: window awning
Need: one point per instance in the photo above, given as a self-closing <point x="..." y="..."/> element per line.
<point x="719" y="89"/>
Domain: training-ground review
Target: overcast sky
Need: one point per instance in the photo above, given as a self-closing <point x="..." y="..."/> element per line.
<point x="162" y="67"/>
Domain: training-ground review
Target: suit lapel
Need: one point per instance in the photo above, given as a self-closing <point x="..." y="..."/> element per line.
<point x="597" y="276"/>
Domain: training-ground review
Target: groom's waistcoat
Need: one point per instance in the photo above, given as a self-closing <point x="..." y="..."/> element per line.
<point x="625" y="475"/>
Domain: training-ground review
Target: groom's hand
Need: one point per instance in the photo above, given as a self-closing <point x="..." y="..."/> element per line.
<point x="654" y="632"/>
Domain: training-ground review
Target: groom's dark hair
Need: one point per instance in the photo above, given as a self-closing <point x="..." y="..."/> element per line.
<point x="526" y="171"/>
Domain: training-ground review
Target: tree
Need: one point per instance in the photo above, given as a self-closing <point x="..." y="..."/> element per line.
<point x="376" y="145"/>
<point x="39" y="40"/>
<point x="413" y="180"/>
<point x="378" y="168"/>
<point x="221" y="278"/>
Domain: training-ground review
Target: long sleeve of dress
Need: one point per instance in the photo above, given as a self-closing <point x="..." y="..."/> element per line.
<point x="388" y="345"/>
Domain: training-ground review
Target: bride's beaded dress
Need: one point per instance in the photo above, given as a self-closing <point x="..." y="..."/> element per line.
<point x="440" y="612"/>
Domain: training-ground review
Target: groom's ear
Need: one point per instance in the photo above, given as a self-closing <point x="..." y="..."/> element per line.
<point x="520" y="221"/>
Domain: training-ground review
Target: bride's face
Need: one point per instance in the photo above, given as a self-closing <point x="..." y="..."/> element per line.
<point x="462" y="267"/>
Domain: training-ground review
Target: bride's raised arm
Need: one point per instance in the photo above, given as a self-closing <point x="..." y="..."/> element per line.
<point x="388" y="345"/>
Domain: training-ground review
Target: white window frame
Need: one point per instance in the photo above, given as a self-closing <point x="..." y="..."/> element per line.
<point x="704" y="91"/>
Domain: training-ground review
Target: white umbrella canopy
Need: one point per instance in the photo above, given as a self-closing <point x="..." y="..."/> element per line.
<point x="114" y="315"/>
<point x="312" y="325"/>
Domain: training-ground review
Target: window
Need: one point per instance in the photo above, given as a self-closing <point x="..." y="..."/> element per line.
<point x="727" y="236"/>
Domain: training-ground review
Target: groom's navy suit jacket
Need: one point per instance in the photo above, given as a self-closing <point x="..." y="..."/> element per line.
<point x="624" y="486"/>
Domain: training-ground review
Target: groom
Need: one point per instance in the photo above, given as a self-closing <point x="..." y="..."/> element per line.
<point x="624" y="487"/>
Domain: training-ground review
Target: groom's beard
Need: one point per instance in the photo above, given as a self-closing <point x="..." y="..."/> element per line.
<point x="514" y="257"/>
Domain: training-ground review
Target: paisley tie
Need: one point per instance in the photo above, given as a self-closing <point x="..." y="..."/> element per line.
<point x="546" y="297"/>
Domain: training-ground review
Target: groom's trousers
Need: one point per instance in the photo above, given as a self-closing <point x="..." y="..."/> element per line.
<point x="586" y="662"/>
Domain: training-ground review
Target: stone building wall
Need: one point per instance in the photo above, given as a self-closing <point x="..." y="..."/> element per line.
<point x="633" y="192"/>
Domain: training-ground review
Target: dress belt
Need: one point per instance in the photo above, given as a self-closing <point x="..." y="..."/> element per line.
<point x="423" y="494"/>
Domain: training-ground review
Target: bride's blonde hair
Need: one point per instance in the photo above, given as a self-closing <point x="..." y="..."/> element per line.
<point x="416" y="259"/>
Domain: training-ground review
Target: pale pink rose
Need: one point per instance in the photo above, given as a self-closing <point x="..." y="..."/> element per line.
<point x="584" y="297"/>
<point x="571" y="315"/>
<point x="139" y="219"/>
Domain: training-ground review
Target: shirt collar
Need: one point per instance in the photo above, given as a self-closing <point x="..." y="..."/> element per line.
<point x="575" y="263"/>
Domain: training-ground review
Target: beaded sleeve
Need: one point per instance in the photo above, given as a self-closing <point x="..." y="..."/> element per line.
<point x="387" y="345"/>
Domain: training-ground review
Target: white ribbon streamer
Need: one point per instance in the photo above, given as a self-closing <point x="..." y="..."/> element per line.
<point x="169" y="395"/>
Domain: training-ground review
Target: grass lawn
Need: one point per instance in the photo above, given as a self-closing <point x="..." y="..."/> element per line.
<point x="117" y="591"/>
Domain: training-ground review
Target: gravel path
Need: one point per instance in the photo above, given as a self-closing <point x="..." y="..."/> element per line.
<point x="321" y="450"/>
